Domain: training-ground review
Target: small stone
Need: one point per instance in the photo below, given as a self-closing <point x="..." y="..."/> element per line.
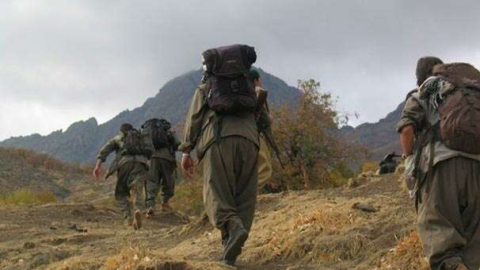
<point x="364" y="207"/>
<point x="28" y="245"/>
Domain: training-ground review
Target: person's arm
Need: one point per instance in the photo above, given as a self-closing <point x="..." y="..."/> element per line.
<point x="413" y="116"/>
<point x="407" y="140"/>
<point x="106" y="150"/>
<point x="193" y="128"/>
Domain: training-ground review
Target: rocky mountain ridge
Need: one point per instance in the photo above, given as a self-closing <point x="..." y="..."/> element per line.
<point x="82" y="140"/>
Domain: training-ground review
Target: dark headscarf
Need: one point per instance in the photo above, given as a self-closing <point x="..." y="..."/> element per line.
<point x="425" y="67"/>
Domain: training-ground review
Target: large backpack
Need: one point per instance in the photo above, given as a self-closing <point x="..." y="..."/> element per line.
<point x="134" y="144"/>
<point x="459" y="109"/>
<point x="156" y="130"/>
<point x="229" y="88"/>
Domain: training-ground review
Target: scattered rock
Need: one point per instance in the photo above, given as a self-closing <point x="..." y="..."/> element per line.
<point x="28" y="245"/>
<point x="77" y="229"/>
<point x="356" y="182"/>
<point x="365" y="207"/>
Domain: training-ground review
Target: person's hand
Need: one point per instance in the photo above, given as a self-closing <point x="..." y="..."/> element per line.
<point x="187" y="165"/>
<point x="96" y="172"/>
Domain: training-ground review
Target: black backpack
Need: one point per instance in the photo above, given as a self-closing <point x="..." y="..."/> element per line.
<point x="229" y="89"/>
<point x="134" y="144"/>
<point x="156" y="130"/>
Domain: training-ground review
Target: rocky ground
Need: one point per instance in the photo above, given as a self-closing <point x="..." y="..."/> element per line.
<point x="369" y="225"/>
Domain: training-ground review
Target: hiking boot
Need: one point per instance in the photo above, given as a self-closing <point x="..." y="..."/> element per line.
<point x="137" y="220"/>
<point x="237" y="235"/>
<point x="150" y="213"/>
<point x="166" y="208"/>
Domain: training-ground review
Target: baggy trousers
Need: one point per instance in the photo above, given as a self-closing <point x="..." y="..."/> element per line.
<point x="131" y="178"/>
<point x="161" y="177"/>
<point x="449" y="213"/>
<point x="265" y="169"/>
<point x="230" y="182"/>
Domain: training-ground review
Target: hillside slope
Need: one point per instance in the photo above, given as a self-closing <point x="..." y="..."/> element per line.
<point x="82" y="140"/>
<point x="381" y="137"/>
<point x="294" y="230"/>
<point x="24" y="169"/>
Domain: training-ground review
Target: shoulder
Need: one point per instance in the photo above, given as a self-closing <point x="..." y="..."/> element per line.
<point x="411" y="93"/>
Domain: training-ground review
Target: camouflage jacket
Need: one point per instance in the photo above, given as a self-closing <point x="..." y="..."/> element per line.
<point x="116" y="145"/>
<point x="168" y="153"/>
<point x="201" y="125"/>
<point x="418" y="114"/>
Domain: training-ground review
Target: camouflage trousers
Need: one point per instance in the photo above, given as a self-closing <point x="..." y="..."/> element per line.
<point x="131" y="178"/>
<point x="161" y="178"/>
<point x="449" y="214"/>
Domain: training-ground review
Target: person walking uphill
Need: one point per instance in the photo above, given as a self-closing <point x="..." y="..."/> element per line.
<point x="162" y="164"/>
<point x="131" y="166"/>
<point x="265" y="169"/>
<point x="441" y="120"/>
<point x="221" y="127"/>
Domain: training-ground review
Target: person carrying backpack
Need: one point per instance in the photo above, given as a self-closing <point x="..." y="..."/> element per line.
<point x="265" y="169"/>
<point x="162" y="164"/>
<point x="440" y="137"/>
<point x="221" y="127"/>
<point x="131" y="166"/>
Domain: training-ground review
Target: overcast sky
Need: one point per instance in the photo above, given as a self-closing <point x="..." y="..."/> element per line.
<point x="64" y="61"/>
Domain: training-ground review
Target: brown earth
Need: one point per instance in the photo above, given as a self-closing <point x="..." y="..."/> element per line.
<point x="294" y="230"/>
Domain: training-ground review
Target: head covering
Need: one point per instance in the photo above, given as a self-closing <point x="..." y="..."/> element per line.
<point x="425" y="67"/>
<point x="254" y="75"/>
<point x="126" y="127"/>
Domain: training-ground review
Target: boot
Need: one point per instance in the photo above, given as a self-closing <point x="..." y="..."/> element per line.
<point x="137" y="220"/>
<point x="150" y="213"/>
<point x="237" y="235"/>
<point x="166" y="208"/>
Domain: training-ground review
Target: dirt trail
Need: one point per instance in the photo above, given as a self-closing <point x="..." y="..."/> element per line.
<point x="295" y="230"/>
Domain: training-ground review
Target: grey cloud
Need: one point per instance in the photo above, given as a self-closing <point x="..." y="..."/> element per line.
<point x="105" y="56"/>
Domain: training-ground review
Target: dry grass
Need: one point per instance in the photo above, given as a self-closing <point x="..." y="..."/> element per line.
<point x="138" y="258"/>
<point x="189" y="197"/>
<point x="370" y="166"/>
<point x="25" y="196"/>
<point x="325" y="236"/>
<point x="406" y="255"/>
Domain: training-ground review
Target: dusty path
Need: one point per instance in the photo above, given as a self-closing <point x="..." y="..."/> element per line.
<point x="296" y="230"/>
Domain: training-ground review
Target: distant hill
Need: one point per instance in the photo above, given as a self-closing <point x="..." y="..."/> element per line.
<point x="20" y="168"/>
<point x="381" y="137"/>
<point x="82" y="140"/>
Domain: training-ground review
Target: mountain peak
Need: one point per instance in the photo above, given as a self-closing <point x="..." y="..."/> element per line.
<point x="83" y="139"/>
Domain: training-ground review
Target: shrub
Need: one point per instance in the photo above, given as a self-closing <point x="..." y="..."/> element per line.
<point x="370" y="166"/>
<point x="25" y="196"/>
<point x="309" y="143"/>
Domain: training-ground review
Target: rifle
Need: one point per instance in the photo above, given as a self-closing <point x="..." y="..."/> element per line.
<point x="272" y="144"/>
<point x="113" y="167"/>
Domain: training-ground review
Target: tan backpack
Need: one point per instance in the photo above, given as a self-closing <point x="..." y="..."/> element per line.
<point x="459" y="110"/>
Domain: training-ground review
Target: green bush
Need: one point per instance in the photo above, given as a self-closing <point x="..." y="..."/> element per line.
<point x="26" y="196"/>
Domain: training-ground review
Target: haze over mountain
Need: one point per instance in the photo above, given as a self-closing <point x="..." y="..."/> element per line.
<point x="83" y="139"/>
